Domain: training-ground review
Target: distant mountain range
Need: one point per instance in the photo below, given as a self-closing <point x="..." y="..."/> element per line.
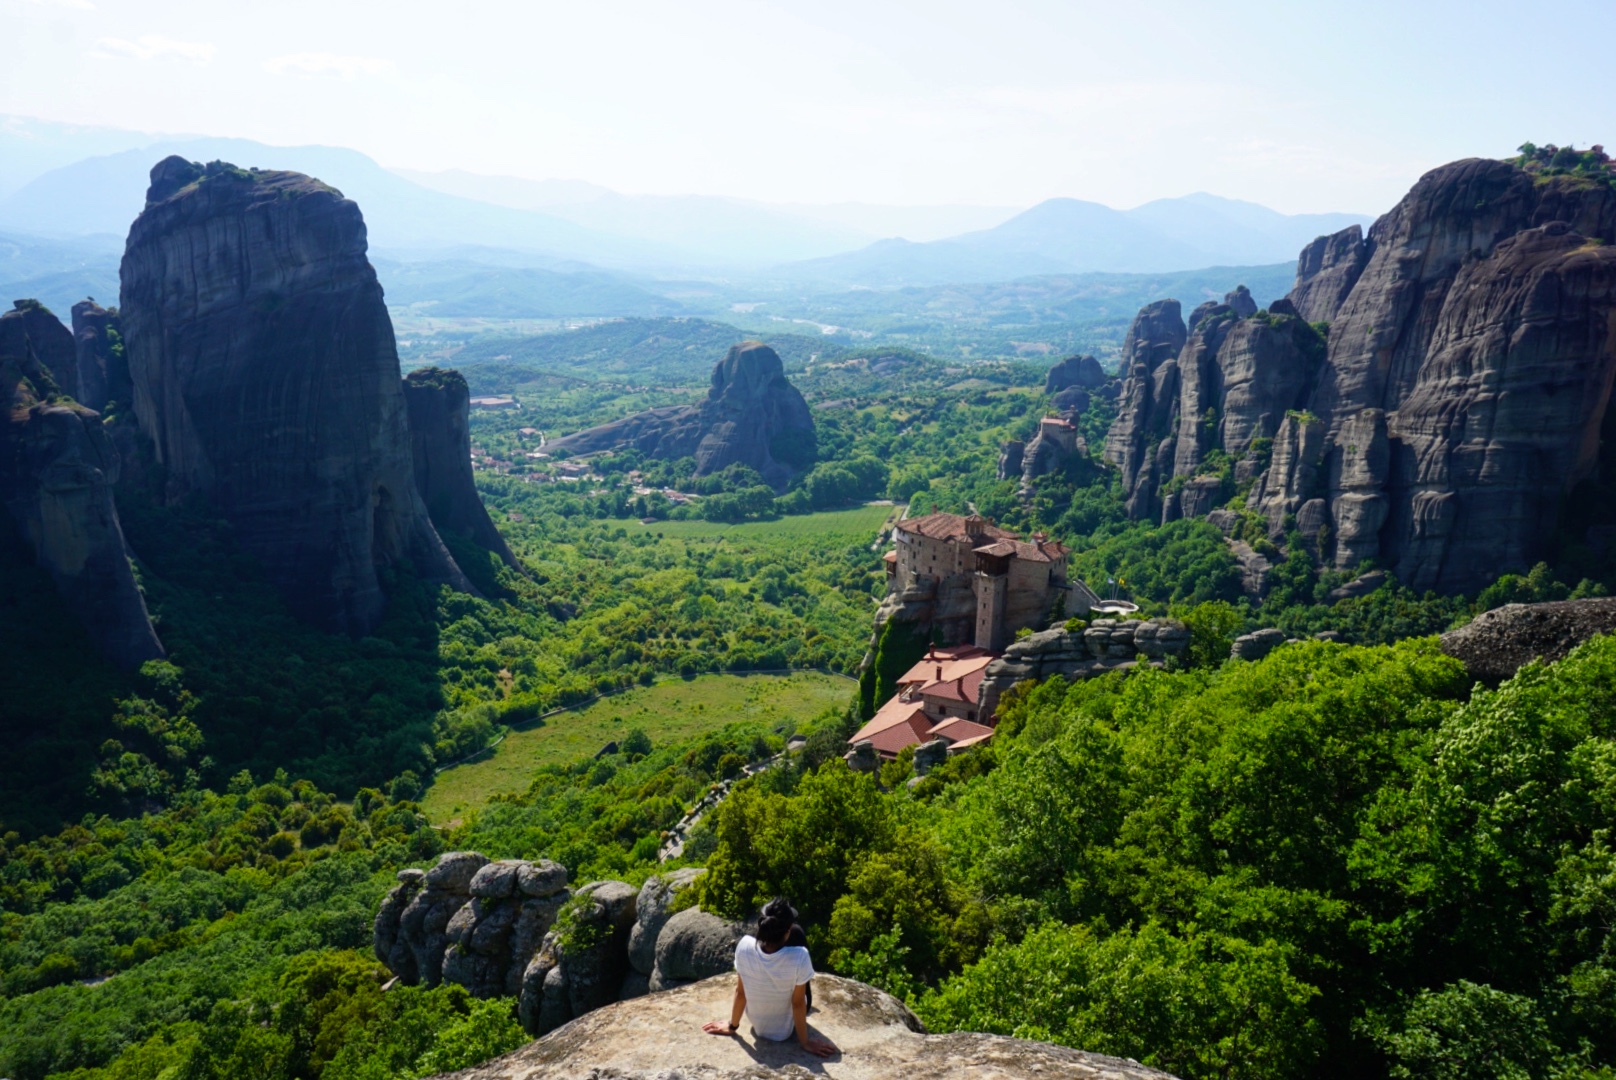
<point x="573" y="226"/>
<point x="1061" y="236"/>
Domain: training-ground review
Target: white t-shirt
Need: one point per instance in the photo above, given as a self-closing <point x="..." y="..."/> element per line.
<point x="769" y="979"/>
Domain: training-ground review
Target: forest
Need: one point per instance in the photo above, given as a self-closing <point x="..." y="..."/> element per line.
<point x="1342" y="860"/>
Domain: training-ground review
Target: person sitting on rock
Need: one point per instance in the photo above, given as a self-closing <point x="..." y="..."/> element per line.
<point x="772" y="982"/>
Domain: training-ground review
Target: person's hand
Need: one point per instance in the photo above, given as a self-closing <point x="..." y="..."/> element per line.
<point x="717" y="1027"/>
<point x="820" y="1047"/>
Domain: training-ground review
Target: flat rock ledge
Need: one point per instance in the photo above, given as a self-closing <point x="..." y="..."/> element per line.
<point x="660" y="1038"/>
<point x="1497" y="643"/>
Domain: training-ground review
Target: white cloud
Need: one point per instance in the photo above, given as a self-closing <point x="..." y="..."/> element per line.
<point x="329" y="64"/>
<point x="154" y="47"/>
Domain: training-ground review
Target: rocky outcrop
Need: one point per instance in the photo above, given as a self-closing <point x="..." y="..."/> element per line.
<point x="1103" y="645"/>
<point x="877" y="1038"/>
<point x="752" y="416"/>
<point x="1458" y="400"/>
<point x="1051" y="450"/>
<point x="1326" y="271"/>
<point x="439" y="405"/>
<point x="1497" y="643"/>
<point x="1257" y="644"/>
<point x="513" y="928"/>
<point x="103" y="369"/>
<point x="57" y="471"/>
<point x="1011" y="455"/>
<point x="1084" y="372"/>
<point x="1140" y="442"/>
<point x="265" y="375"/>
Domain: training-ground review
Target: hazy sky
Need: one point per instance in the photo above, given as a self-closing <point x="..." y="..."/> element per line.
<point x="1303" y="106"/>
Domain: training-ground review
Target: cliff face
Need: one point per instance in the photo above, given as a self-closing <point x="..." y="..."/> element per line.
<point x="1470" y="357"/>
<point x="103" y="370"/>
<point x="752" y="416"/>
<point x="265" y="374"/>
<point x="57" y="468"/>
<point x="440" y="439"/>
<point x="1139" y="442"/>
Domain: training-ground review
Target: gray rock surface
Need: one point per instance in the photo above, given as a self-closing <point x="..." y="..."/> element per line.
<point x="266" y="377"/>
<point x="652" y="909"/>
<point x="694" y="945"/>
<point x="1255" y="569"/>
<point x="1497" y="643"/>
<point x="1101" y="646"/>
<point x="1084" y="372"/>
<point x="103" y="368"/>
<point x="1458" y="399"/>
<point x="57" y="471"/>
<point x="1011" y="454"/>
<point x="1256" y="645"/>
<point x="929" y="755"/>
<point x="862" y="757"/>
<point x="439" y="406"/>
<point x="659" y="1038"/>
<point x="752" y="416"/>
<point x="1140" y="442"/>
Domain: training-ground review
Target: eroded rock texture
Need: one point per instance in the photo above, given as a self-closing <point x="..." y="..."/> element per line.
<point x="1497" y="643"/>
<point x="1103" y="645"/>
<point x="878" y="1038"/>
<point x="1140" y="442"/>
<point x="1470" y="357"/>
<point x="440" y="439"/>
<point x="57" y="469"/>
<point x="752" y="416"/>
<point x="266" y="377"/>
<point x="1083" y="372"/>
<point x="103" y="369"/>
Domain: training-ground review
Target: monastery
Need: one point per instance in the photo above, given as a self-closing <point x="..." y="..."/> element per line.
<point x="1015" y="584"/>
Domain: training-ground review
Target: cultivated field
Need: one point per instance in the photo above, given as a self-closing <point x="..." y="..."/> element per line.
<point x="667" y="711"/>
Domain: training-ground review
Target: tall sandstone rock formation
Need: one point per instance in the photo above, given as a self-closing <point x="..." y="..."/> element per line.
<point x="440" y="438"/>
<point x="103" y="370"/>
<point x="266" y="376"/>
<point x="57" y="468"/>
<point x="1468" y="369"/>
<point x="752" y="416"/>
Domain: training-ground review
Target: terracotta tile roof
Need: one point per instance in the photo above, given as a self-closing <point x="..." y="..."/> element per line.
<point x="966" y="744"/>
<point x="896" y="711"/>
<point x="891" y="556"/>
<point x="1043" y="551"/>
<point x="950" y="527"/>
<point x="957" y="731"/>
<point x="967" y="688"/>
<point x="894" y="739"/>
<point x="935" y="669"/>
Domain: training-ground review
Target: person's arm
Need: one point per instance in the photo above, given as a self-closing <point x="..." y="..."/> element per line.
<point x="799" y="1016"/>
<point x="736" y="1010"/>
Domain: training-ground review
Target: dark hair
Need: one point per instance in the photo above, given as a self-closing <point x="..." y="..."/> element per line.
<point x="778" y="918"/>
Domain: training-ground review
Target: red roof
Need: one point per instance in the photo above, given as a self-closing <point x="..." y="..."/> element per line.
<point x="957" y="731"/>
<point x="967" y="688"/>
<point x="894" y="739"/>
<point x="942" y="526"/>
<point x="891" y="556"/>
<point x="938" y="667"/>
<point x="1038" y="551"/>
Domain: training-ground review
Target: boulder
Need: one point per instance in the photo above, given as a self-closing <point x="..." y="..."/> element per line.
<point x="928" y="755"/>
<point x="455" y="870"/>
<point x="1241" y="302"/>
<point x="1083" y="372"/>
<point x="604" y="919"/>
<point x="695" y="945"/>
<point x="752" y="416"/>
<point x="1497" y="643"/>
<point x="1256" y="645"/>
<point x="542" y="878"/>
<point x="652" y="911"/>
<point x="1104" y="645"/>
<point x="1362" y="585"/>
<point x="659" y="1037"/>
<point x="266" y="376"/>
<point x="863" y="758"/>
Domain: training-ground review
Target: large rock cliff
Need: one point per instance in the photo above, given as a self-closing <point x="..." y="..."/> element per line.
<point x="440" y="437"/>
<point x="1459" y="398"/>
<point x="57" y="468"/>
<point x="752" y="416"/>
<point x="266" y="377"/>
<point x="103" y="370"/>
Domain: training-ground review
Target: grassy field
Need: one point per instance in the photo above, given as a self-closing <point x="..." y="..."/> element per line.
<point x="667" y="711"/>
<point x="860" y="523"/>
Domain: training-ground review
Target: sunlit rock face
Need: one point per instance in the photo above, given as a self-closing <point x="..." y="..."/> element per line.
<point x="266" y="376"/>
<point x="1456" y="397"/>
<point x="752" y="416"/>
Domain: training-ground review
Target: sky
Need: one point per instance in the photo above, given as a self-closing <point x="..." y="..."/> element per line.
<point x="1311" y="105"/>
